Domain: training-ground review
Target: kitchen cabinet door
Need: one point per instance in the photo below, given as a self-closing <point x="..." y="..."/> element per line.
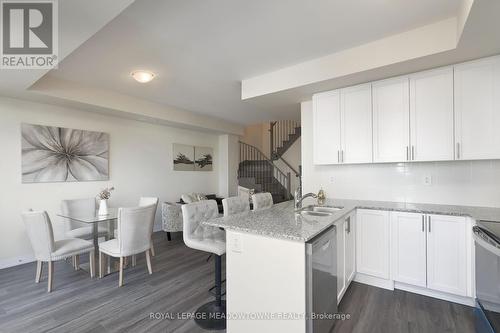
<point x="326" y="127"/>
<point x="408" y="248"/>
<point x="372" y="242"/>
<point x="350" y="248"/>
<point x="447" y="254"/>
<point x="431" y="115"/>
<point x="477" y="109"/>
<point x="391" y="121"/>
<point x="356" y="124"/>
<point x="341" y="282"/>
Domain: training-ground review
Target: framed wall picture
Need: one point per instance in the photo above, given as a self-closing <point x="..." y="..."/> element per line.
<point x="57" y="154"/>
<point x="203" y="158"/>
<point x="183" y="156"/>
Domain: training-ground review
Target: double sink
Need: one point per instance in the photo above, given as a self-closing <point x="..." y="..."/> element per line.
<point x="314" y="210"/>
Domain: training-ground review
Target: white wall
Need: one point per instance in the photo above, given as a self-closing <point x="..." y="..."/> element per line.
<point x="475" y="183"/>
<point x="140" y="165"/>
<point x="228" y="165"/>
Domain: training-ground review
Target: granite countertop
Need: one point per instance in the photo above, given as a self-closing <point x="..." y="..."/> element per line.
<point x="281" y="221"/>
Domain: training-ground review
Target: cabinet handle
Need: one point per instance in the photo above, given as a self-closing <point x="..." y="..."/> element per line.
<point x="429" y="219"/>
<point x="458" y="150"/>
<point x="407" y="154"/>
<point x="348" y="225"/>
<point x="423" y="227"/>
<point x="338" y="156"/>
<point x="413" y="153"/>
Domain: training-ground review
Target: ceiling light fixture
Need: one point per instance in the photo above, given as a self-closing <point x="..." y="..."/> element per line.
<point x="143" y="76"/>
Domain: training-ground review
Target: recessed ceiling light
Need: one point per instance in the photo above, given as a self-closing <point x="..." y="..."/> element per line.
<point x="143" y="76"/>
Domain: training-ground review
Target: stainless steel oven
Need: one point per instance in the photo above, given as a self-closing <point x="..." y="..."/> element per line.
<point x="487" y="248"/>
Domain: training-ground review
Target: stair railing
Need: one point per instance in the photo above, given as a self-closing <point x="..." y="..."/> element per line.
<point x="259" y="161"/>
<point x="280" y="131"/>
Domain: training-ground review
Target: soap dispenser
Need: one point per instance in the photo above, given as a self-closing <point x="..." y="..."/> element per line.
<point x="321" y="197"/>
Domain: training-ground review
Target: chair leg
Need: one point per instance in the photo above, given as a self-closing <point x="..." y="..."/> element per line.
<point x="73" y="262"/>
<point x="152" y="248"/>
<point x="148" y="260"/>
<point x="101" y="265"/>
<point x="120" y="280"/>
<point x="51" y="276"/>
<point x="134" y="260"/>
<point x="92" y="263"/>
<point x="77" y="262"/>
<point x="38" y="275"/>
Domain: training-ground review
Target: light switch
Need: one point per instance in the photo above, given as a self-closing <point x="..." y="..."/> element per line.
<point x="236" y="243"/>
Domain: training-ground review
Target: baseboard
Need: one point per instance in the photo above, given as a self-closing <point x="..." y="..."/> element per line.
<point x="435" y="294"/>
<point x="374" y="281"/>
<point x="10" y="262"/>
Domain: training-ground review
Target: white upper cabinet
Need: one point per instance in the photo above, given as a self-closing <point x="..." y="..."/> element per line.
<point x="356" y="120"/>
<point x="447" y="244"/>
<point x="450" y="113"/>
<point x="408" y="234"/>
<point x="391" y="120"/>
<point x="477" y="109"/>
<point x="326" y="127"/>
<point x="431" y="115"/>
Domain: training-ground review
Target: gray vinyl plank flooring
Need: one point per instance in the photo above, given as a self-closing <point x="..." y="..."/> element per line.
<point x="179" y="284"/>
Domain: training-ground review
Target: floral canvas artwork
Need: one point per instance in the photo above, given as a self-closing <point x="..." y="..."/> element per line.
<point x="56" y="154"/>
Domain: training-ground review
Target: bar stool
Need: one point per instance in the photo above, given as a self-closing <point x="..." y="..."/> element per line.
<point x="262" y="201"/>
<point x="235" y="205"/>
<point x="212" y="315"/>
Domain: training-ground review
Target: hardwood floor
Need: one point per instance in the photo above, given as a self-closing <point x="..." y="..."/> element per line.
<point x="379" y="310"/>
<point x="179" y="284"/>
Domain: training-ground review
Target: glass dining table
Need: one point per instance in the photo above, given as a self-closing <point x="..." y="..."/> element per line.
<point x="94" y="220"/>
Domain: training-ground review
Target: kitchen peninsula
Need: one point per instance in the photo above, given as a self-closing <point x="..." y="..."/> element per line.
<point x="365" y="248"/>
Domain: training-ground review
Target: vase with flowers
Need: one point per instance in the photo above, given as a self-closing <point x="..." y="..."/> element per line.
<point x="103" y="197"/>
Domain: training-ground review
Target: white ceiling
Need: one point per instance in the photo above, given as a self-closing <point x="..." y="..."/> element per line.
<point x="202" y="50"/>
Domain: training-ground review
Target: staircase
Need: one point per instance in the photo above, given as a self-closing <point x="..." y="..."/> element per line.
<point x="283" y="134"/>
<point x="257" y="171"/>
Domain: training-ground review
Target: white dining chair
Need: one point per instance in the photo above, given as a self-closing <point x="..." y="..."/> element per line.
<point x="134" y="227"/>
<point x="145" y="201"/>
<point x="262" y="201"/>
<point x="81" y="207"/>
<point x="235" y="205"/>
<point x="75" y="229"/>
<point x="41" y="236"/>
<point x="148" y="201"/>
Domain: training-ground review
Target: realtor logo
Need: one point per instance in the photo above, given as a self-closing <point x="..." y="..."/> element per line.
<point x="29" y="38"/>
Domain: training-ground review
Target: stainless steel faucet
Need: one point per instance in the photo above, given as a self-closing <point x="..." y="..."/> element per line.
<point x="299" y="197"/>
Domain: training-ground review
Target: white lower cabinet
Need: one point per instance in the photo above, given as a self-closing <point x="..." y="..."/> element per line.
<point x="447" y="244"/>
<point x="350" y="247"/>
<point x="346" y="265"/>
<point x="341" y="281"/>
<point x="430" y="251"/>
<point x="409" y="258"/>
<point x="372" y="243"/>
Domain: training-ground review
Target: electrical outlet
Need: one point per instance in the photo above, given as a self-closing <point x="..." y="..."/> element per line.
<point x="236" y="243"/>
<point x="428" y="180"/>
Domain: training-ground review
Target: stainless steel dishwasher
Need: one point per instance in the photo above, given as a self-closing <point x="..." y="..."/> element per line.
<point x="321" y="279"/>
